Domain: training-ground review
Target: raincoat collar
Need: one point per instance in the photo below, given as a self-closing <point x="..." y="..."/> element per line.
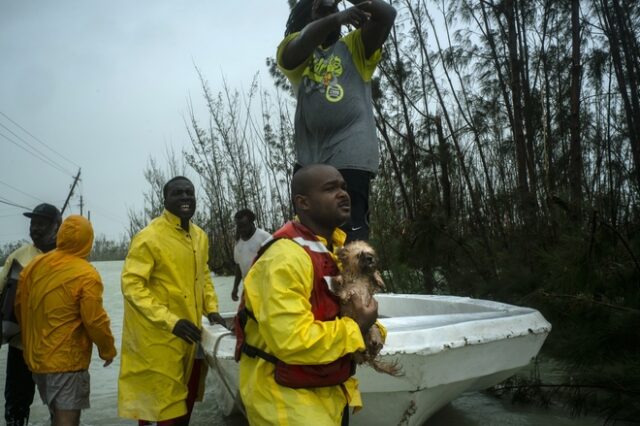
<point x="174" y="220"/>
<point x="75" y="236"/>
<point x="337" y="238"/>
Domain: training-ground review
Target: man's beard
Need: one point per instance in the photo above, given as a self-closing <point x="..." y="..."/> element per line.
<point x="48" y="241"/>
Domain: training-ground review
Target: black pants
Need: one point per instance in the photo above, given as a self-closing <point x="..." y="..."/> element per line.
<point x="18" y="390"/>
<point x="358" y="185"/>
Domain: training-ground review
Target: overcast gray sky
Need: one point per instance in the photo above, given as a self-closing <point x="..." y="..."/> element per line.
<point x="103" y="85"/>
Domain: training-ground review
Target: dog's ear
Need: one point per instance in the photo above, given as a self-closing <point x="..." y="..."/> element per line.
<point x="336" y="284"/>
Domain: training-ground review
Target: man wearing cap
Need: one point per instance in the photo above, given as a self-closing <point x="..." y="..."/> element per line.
<point x="19" y="386"/>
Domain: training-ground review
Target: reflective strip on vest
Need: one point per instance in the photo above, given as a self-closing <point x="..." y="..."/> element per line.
<point x="315" y="246"/>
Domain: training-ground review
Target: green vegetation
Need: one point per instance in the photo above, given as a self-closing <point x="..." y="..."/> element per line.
<point x="104" y="249"/>
<point x="510" y="144"/>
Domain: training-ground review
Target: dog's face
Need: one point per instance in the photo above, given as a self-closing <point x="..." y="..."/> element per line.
<point x="358" y="256"/>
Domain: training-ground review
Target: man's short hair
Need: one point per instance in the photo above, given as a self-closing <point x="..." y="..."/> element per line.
<point x="165" y="188"/>
<point x="245" y="213"/>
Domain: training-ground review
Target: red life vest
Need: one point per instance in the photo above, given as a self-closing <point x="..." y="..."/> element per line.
<point x="325" y="306"/>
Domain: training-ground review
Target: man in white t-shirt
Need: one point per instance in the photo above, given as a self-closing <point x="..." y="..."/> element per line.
<point x="249" y="241"/>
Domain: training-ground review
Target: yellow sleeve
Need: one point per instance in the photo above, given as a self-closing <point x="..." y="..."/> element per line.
<point x="4" y="274"/>
<point x="210" y="296"/>
<point x="383" y="331"/>
<point x="136" y="276"/>
<point x="21" y="290"/>
<point x="365" y="66"/>
<point x="283" y="311"/>
<point x="294" y="75"/>
<point x="95" y="319"/>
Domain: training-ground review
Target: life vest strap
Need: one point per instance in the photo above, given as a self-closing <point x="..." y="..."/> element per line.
<point x="253" y="352"/>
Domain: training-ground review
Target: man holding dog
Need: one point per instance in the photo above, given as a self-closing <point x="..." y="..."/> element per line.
<point x="296" y="363"/>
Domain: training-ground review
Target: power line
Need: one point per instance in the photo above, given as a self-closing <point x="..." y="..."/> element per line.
<point x="5" y="201"/>
<point x="22" y="192"/>
<point x="101" y="211"/>
<point x="39" y="158"/>
<point x="36" y="150"/>
<point x="38" y="140"/>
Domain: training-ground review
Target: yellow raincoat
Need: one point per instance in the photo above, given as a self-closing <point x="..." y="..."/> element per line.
<point x="23" y="256"/>
<point x="165" y="278"/>
<point x="277" y="291"/>
<point x="59" y="305"/>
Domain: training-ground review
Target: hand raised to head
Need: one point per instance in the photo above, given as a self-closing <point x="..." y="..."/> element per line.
<point x="354" y="15"/>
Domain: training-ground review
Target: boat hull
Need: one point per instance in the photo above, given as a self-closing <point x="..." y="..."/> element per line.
<point x="445" y="346"/>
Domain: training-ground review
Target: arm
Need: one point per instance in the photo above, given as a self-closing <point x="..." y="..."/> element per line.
<point x="299" y="49"/>
<point x="4" y="273"/>
<point x="210" y="296"/>
<point x="236" y="283"/>
<point x="279" y="295"/>
<point x="136" y="276"/>
<point x="211" y="306"/>
<point x="376" y="29"/>
<point x="95" y="319"/>
<point x="20" y="291"/>
<point x="211" y="301"/>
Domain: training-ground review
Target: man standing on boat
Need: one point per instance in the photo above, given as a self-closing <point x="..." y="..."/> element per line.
<point x="331" y="77"/>
<point x="19" y="387"/>
<point x="295" y="364"/>
<point x="59" y="308"/>
<point x="167" y="288"/>
<point x="250" y="239"/>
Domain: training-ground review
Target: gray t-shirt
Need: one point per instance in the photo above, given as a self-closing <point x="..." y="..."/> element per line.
<point x="334" y="122"/>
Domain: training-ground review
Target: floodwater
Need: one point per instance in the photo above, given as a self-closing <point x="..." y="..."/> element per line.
<point x="473" y="409"/>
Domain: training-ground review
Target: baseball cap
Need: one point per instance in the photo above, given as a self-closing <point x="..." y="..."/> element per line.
<point x="45" y="210"/>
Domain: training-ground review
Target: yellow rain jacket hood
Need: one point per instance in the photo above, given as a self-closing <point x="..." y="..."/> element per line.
<point x="59" y="305"/>
<point x="165" y="278"/>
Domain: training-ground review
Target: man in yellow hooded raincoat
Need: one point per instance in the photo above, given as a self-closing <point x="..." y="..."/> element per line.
<point x="167" y="288"/>
<point x="59" y="308"/>
<point x="281" y="294"/>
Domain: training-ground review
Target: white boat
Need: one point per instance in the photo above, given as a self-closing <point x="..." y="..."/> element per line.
<point x="445" y="346"/>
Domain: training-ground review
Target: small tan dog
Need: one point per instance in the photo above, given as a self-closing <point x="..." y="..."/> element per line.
<point x="361" y="278"/>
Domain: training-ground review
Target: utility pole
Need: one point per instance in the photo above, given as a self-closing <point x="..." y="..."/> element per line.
<point x="73" y="186"/>
<point x="81" y="206"/>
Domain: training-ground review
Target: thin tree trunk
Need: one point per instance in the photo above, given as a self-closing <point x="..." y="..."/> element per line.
<point x="443" y="151"/>
<point x="518" y="115"/>
<point x="575" y="145"/>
